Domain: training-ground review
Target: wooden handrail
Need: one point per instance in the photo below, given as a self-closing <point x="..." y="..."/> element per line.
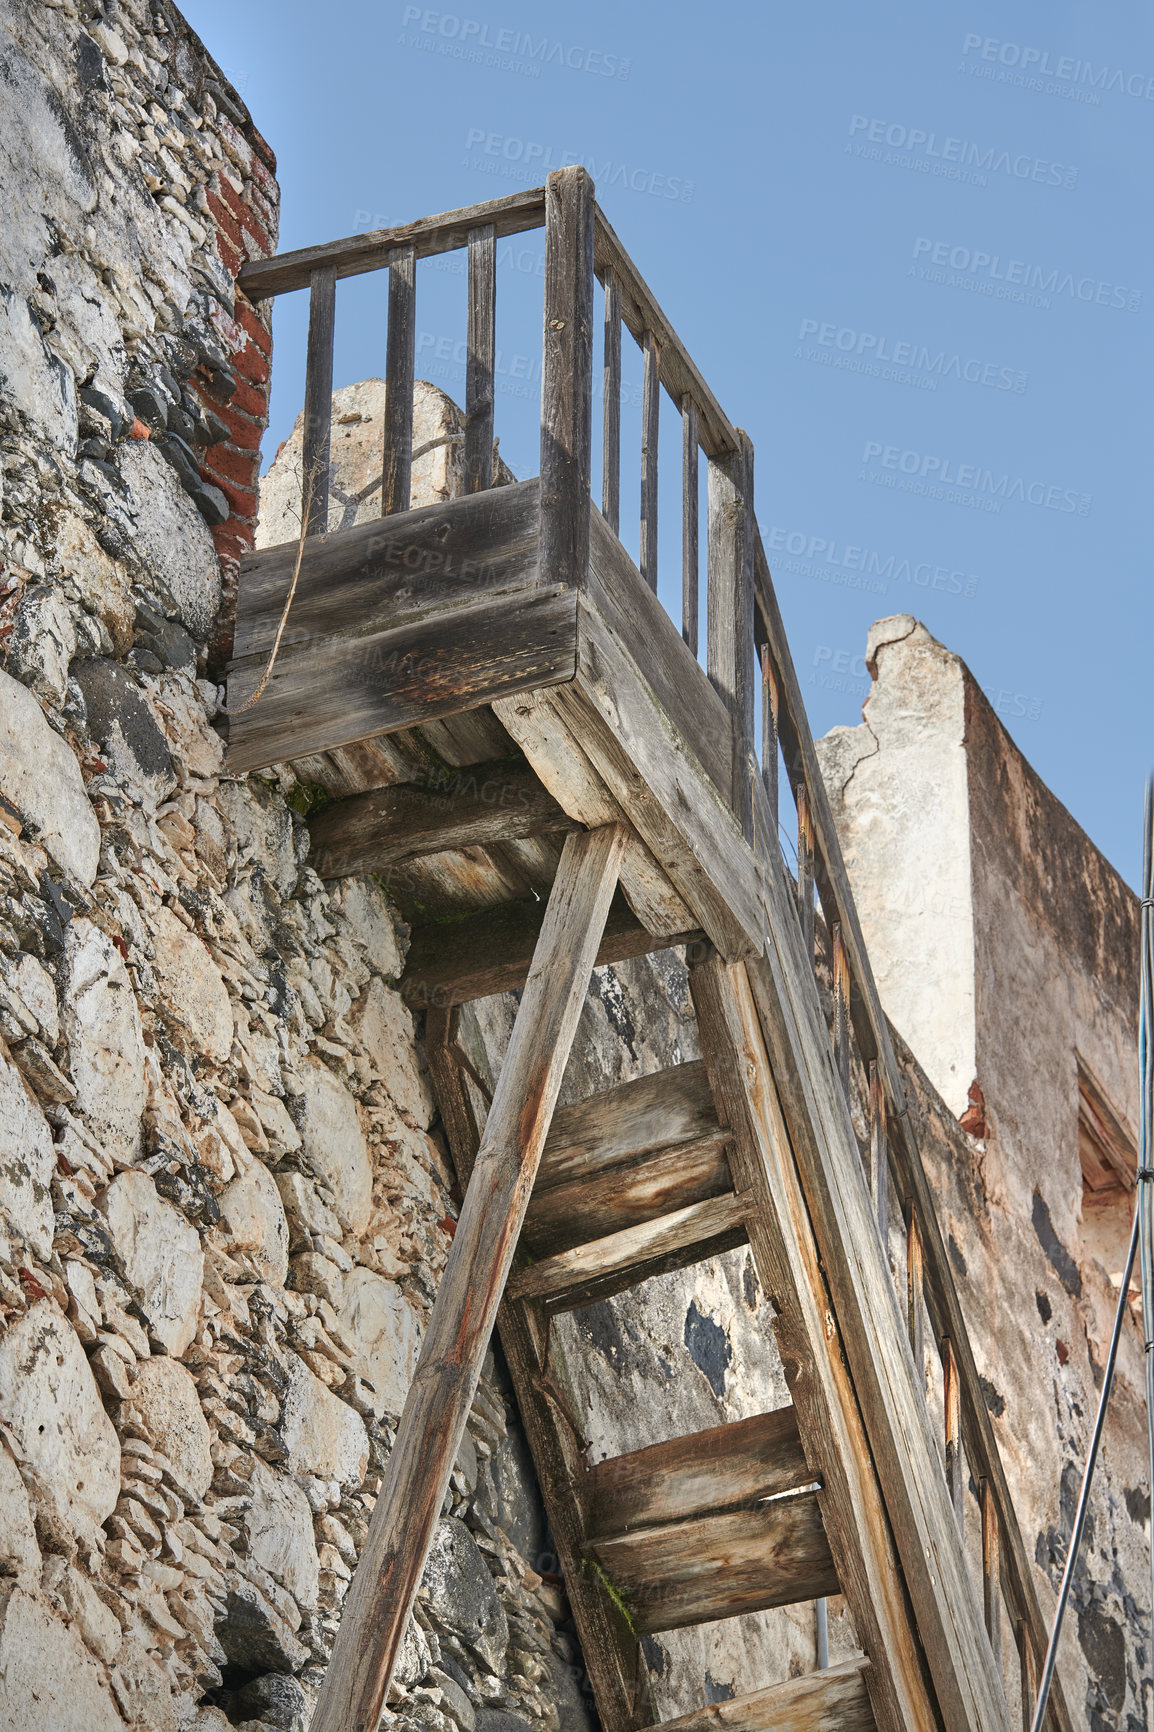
<point x="428" y="236"/>
<point x="875" y="1046"/>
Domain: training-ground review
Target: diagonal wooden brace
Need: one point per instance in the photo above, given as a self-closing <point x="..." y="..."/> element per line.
<point x="380" y="1597"/>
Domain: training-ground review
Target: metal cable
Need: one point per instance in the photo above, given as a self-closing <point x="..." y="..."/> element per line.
<point x="1142" y="1230"/>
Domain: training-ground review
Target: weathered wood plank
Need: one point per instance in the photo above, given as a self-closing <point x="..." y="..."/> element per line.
<point x="632" y="1119"/>
<point x="428" y="236"/>
<point x="835" y="1700"/>
<point x="318" y="409"/>
<point x="874" y="1042"/>
<point x="481" y="346"/>
<point x="623" y="1195"/>
<point x="611" y="1265"/>
<point x="477" y="805"/>
<point x="380" y="1597"/>
<point x="398" y="464"/>
<point x="770" y="704"/>
<point x="690" y="553"/>
<point x="721" y="1566"/>
<point x="452" y="964"/>
<point x="611" y="407"/>
<point x="864" y="1304"/>
<point x="567" y="377"/>
<point x="725" y="1467"/>
<point x="955" y="1460"/>
<point x="559" y="759"/>
<point x="645" y="761"/>
<point x="337" y="689"/>
<point x="879" y="1157"/>
<point x="729" y="607"/>
<point x="641" y="313"/>
<point x="608" y="1644"/>
<point x="650" y="411"/>
<point x="991" y="1573"/>
<point x="791" y="1274"/>
<point x="386" y="572"/>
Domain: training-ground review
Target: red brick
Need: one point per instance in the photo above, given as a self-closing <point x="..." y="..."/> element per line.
<point x="250" y="400"/>
<point x="226" y="222"/>
<point x="244" y="433"/>
<point x="230" y="256"/>
<point x="251" y="365"/>
<point x="256" y="330"/>
<point x="232" y="543"/>
<point x="239" y="466"/>
<point x="242" y="500"/>
<point x="263" y="148"/>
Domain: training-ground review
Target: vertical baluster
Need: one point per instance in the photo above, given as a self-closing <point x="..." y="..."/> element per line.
<point x="689" y="552"/>
<point x="729" y="613"/>
<point x="567" y="378"/>
<point x="650" y="410"/>
<point x="480" y="345"/>
<point x="398" y="466"/>
<point x="1028" y="1672"/>
<point x="879" y="1154"/>
<point x="991" y="1575"/>
<point x="821" y="1632"/>
<point x="840" y="1008"/>
<point x="770" y="699"/>
<point x="914" y="1286"/>
<point x="955" y="1475"/>
<point x="805" y="869"/>
<point x="611" y="440"/>
<point x="318" y="401"/>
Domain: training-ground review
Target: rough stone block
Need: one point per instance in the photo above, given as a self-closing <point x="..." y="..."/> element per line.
<point x="167" y="1409"/>
<point x="322" y="1434"/>
<point x="42" y="779"/>
<point x="385" y="1333"/>
<point x="162" y="1257"/>
<point x="334" y="1146"/>
<point x="48" y="1680"/>
<point x="27" y="1163"/>
<point x="105" y="1048"/>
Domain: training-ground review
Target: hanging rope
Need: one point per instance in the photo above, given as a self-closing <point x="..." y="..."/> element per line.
<point x="1142" y="1228"/>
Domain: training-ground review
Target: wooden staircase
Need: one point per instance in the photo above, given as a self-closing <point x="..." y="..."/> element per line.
<point x="641" y="819"/>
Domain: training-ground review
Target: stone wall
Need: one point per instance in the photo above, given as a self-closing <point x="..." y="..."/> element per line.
<point x="1006" y="951"/>
<point x="224" y="1201"/>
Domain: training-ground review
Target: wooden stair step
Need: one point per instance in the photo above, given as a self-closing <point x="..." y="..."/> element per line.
<point x="635" y="1118"/>
<point x="835" y="1700"/>
<point x="720" y="1566"/>
<point x="726" y="1467"/>
<point x="621" y="1260"/>
<point x="636" y="1189"/>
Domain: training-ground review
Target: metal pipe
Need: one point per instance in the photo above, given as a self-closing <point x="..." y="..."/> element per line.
<point x="821" y="1632"/>
<point x="1084" y="1496"/>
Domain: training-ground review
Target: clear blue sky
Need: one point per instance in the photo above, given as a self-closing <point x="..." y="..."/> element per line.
<point x="908" y="245"/>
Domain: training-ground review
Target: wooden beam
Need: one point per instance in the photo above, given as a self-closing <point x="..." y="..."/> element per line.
<point x="650" y="412"/>
<point x="627" y="1194"/>
<point x="481" y="337"/>
<point x="377" y="1607"/>
<point x="634" y="1118"/>
<point x="318" y="410"/>
<point x="611" y="407"/>
<point x="609" y="1646"/>
<point x="726" y="1467"/>
<point x="835" y="1700"/>
<point x="472" y="807"/>
<point x="611" y="1265"/>
<point x="439" y="555"/>
<point x="427" y="236"/>
<point x="729" y="597"/>
<point x="335" y="690"/>
<point x="567" y="377"/>
<point x="721" y="1566"/>
<point x="457" y="961"/>
<point x="791" y="1274"/>
<point x="396" y="480"/>
<point x="690" y="572"/>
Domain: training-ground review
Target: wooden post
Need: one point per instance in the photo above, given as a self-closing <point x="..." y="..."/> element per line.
<point x="879" y="1156"/>
<point x="318" y="400"/>
<point x="398" y="464"/>
<point x="377" y="1607"/>
<point x="611" y="406"/>
<point x="650" y="411"/>
<point x="955" y="1473"/>
<point x="730" y="612"/>
<point x="1028" y="1674"/>
<point x="914" y="1288"/>
<point x="480" y="357"/>
<point x="770" y="699"/>
<point x="991" y="1573"/>
<point x="841" y="989"/>
<point x="805" y="870"/>
<point x="567" y="377"/>
<point x="690" y="568"/>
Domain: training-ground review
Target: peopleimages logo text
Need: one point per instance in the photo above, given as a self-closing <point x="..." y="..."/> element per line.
<point x="1038" y="279"/>
<point x="939" y="363"/>
<point x="934" y="475"/>
<point x="958" y="158"/>
<point x="530" y="53"/>
<point x="1038" y="63"/>
<point x="527" y="160"/>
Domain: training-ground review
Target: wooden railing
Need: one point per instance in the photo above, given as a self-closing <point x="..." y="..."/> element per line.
<point x="745" y="647"/>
